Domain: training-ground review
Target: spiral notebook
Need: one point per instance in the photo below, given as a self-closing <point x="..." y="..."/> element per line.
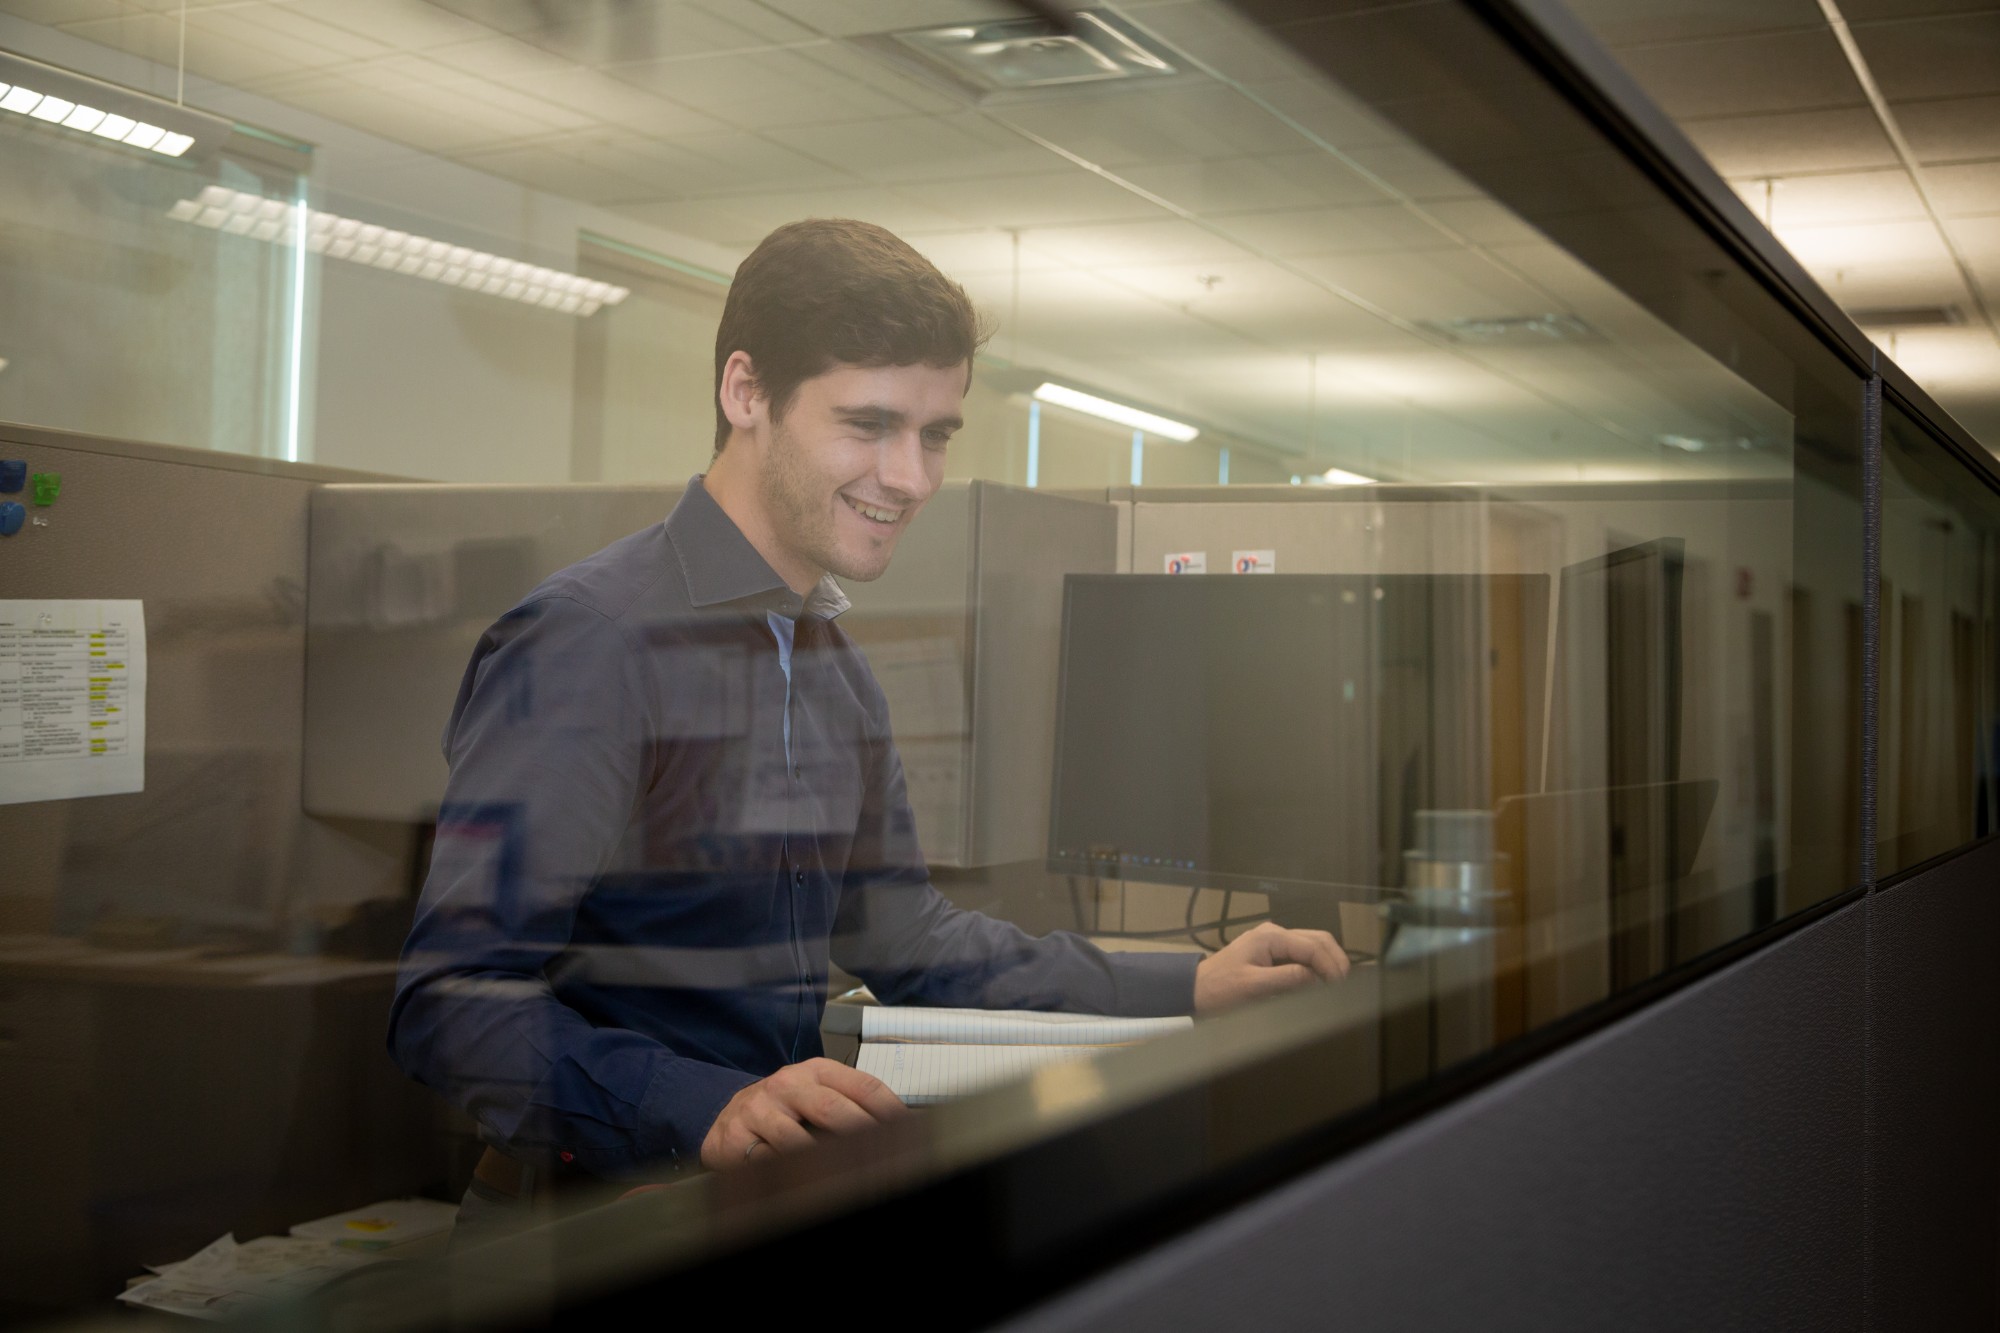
<point x="928" y="1056"/>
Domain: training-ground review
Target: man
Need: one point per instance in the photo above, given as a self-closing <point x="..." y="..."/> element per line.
<point x="674" y="799"/>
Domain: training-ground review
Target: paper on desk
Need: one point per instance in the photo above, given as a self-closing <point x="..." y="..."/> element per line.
<point x="225" y="1278"/>
<point x="1011" y="1027"/>
<point x="381" y="1225"/>
<point x="72" y="698"/>
<point x="923" y="1075"/>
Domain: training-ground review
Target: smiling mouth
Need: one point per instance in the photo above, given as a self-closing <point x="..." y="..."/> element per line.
<point x="876" y="514"/>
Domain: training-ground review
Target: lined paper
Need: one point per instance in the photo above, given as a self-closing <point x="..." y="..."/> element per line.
<point x="1016" y="1027"/>
<point x="923" y="1074"/>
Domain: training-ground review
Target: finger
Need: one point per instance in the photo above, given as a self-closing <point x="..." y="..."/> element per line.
<point x="1313" y="948"/>
<point x="1258" y="982"/>
<point x="774" y="1124"/>
<point x="817" y="1104"/>
<point x="871" y="1094"/>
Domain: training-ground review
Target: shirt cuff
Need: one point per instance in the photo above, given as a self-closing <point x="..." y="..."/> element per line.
<point x="680" y="1106"/>
<point x="1153" y="985"/>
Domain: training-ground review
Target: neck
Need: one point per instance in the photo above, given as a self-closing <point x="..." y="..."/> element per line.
<point x="731" y="481"/>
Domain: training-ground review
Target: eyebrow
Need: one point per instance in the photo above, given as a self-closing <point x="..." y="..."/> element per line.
<point x="893" y="417"/>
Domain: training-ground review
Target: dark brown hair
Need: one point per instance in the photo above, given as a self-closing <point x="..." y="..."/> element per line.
<point x="833" y="291"/>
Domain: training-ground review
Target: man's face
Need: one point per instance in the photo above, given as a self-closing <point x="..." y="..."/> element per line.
<point x="858" y="452"/>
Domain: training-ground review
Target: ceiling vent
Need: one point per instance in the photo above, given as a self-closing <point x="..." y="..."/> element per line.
<point x="1909" y="317"/>
<point x="1515" y="330"/>
<point x="1028" y="58"/>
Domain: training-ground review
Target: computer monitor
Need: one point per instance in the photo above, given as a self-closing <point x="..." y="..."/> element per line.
<point x="1276" y="733"/>
<point x="1614" y="716"/>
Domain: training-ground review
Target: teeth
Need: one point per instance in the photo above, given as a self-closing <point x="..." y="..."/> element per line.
<point x="879" y="515"/>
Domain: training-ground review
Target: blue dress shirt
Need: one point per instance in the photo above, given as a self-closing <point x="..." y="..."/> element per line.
<point x="666" y="814"/>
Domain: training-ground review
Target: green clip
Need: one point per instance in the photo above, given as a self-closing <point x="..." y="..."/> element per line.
<point x="48" y="485"/>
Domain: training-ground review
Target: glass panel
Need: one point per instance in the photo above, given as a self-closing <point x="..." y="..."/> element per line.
<point x="1392" y="585"/>
<point x="194" y="326"/>
<point x="1940" y="523"/>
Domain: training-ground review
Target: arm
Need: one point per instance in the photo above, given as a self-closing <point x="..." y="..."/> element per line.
<point x="550" y="747"/>
<point x="899" y="934"/>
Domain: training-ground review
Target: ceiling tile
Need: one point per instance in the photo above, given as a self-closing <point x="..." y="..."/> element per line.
<point x="1162" y="125"/>
<point x="1047" y="200"/>
<point x="553" y="168"/>
<point x="633" y="30"/>
<point x="1481" y="221"/>
<point x="1858" y="11"/>
<point x="301" y="37"/>
<point x="1621" y="23"/>
<point x="225" y="53"/>
<point x="1404" y="167"/>
<point x="727" y="163"/>
<point x="1329" y="231"/>
<point x="1951" y="129"/>
<point x="56" y="12"/>
<point x="1225" y="42"/>
<point x="762" y="90"/>
<point x="919" y="148"/>
<point x="1446" y="284"/>
<point x="1967" y="188"/>
<point x="981" y="250"/>
<point x="498" y="112"/>
<point x="1783" y="71"/>
<point x="1155" y="242"/>
<point x="850" y="18"/>
<point x="740" y="221"/>
<point x="1784" y="144"/>
<point x="1955" y="56"/>
<point x="1321" y="109"/>
<point x="1841" y="197"/>
<point x="406" y="25"/>
<point x="1978" y="239"/>
<point x="1246" y="184"/>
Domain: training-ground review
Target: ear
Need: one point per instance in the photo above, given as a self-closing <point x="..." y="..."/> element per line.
<point x="742" y="399"/>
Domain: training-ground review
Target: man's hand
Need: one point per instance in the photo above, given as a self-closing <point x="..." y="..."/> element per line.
<point x="781" y="1113"/>
<point x="1261" y="962"/>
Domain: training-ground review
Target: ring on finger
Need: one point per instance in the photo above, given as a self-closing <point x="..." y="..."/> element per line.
<point x="755" y="1144"/>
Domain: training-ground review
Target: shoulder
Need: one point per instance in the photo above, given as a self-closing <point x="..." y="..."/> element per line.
<point x="626" y="576"/>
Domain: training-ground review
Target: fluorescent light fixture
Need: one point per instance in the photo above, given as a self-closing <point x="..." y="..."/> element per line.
<point x="86" y="106"/>
<point x="239" y="213"/>
<point x="1335" y="476"/>
<point x="1078" y="401"/>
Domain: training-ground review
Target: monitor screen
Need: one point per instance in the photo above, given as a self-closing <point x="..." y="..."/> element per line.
<point x="1275" y="731"/>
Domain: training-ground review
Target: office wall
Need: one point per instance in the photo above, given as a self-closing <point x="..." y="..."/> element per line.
<point x="1700" y="1164"/>
<point x="216" y="548"/>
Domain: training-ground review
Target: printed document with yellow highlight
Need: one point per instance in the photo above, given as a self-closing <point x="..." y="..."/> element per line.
<point x="72" y="699"/>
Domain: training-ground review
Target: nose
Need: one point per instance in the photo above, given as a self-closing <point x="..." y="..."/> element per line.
<point x="900" y="468"/>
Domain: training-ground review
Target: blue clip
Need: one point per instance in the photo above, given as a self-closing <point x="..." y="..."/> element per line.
<point x="13" y="475"/>
<point x="12" y="516"/>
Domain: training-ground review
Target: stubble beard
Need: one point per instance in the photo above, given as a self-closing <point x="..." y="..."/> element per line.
<point x="793" y="497"/>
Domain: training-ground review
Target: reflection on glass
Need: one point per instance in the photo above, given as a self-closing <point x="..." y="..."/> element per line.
<point x="1940" y="521"/>
<point x="1403" y="601"/>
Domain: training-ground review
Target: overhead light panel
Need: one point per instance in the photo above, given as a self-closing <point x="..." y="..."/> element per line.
<point x="1335" y="476"/>
<point x="105" y="112"/>
<point x="241" y="213"/>
<point x="1151" y="423"/>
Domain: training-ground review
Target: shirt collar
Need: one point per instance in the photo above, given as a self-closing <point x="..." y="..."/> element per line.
<point x="721" y="566"/>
